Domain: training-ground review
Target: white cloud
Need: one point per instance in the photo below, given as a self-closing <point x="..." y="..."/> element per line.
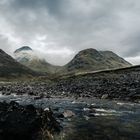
<point x="134" y="60"/>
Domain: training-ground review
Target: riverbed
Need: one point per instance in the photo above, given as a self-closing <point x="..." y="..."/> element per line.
<point x="90" y="119"/>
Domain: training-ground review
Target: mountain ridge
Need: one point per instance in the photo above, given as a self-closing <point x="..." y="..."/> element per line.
<point x="86" y="60"/>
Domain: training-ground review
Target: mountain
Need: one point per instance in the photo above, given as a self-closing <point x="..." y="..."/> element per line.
<point x="93" y="60"/>
<point x="86" y="60"/>
<point x="26" y="56"/>
<point x="10" y="67"/>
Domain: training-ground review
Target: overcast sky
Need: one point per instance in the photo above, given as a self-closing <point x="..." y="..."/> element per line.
<point x="58" y="29"/>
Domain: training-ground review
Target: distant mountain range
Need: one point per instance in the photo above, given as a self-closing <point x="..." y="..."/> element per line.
<point x="29" y="63"/>
<point x="86" y="60"/>
<point x="10" y="67"/>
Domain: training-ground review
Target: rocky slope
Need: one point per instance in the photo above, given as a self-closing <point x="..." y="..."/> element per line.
<point x="121" y="84"/>
<point x="10" y="67"/>
<point x="26" y="56"/>
<point x="93" y="60"/>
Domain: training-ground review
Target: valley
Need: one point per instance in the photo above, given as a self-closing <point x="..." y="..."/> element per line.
<point x="80" y="102"/>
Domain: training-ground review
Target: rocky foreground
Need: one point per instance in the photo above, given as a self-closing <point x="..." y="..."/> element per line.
<point x="26" y="122"/>
<point x="123" y="84"/>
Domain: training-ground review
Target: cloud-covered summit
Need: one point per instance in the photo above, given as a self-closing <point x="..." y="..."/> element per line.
<point x="60" y="28"/>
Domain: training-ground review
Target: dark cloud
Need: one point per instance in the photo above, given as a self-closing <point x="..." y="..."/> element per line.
<point x="61" y="28"/>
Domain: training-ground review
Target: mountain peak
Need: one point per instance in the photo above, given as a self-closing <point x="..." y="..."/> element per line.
<point x="30" y="58"/>
<point x="25" y="54"/>
<point x="88" y="51"/>
<point x="93" y="60"/>
<point x="24" y="48"/>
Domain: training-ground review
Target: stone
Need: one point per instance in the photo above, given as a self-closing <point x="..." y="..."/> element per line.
<point x="105" y="96"/>
<point x="68" y="114"/>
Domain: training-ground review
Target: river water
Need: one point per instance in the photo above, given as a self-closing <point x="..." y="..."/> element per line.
<point x="93" y="119"/>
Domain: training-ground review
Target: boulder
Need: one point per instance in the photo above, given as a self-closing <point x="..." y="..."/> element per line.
<point x="26" y="122"/>
<point x="105" y="96"/>
<point x="68" y="114"/>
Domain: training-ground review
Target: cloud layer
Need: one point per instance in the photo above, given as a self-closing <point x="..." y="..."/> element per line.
<point x="60" y="28"/>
